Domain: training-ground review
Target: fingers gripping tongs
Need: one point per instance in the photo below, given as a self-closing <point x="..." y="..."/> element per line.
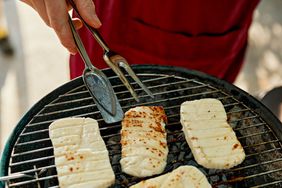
<point x="97" y="82"/>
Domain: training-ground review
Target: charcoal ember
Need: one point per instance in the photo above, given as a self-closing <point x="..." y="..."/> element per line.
<point x="214" y="179"/>
<point x="124" y="180"/>
<point x="171" y="139"/>
<point x="176" y="165"/>
<point x="115" y="159"/>
<point x="214" y="171"/>
<point x="233" y="117"/>
<point x="184" y="146"/>
<point x="224" y="186"/>
<point x="169" y="166"/>
<point x="114" y="152"/>
<point x="180" y="136"/>
<point x="181" y="156"/>
<point x="170" y="158"/>
<point x="189" y="155"/>
<point x="174" y="149"/>
<point x="116" y="185"/>
<point x="116" y="168"/>
<point x="191" y="162"/>
<point x="215" y="176"/>
<point x="135" y="179"/>
<point x="112" y="142"/>
<point x="114" y="139"/>
<point x="223" y="177"/>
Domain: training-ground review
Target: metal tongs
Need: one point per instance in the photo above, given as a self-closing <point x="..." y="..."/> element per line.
<point x="115" y="61"/>
<point x="98" y="85"/>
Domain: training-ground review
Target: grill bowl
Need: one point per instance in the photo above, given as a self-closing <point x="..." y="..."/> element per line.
<point x="30" y="151"/>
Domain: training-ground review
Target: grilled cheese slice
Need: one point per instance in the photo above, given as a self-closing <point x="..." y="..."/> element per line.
<point x="210" y="138"/>
<point x="143" y="141"/>
<point x="81" y="156"/>
<point x="182" y="177"/>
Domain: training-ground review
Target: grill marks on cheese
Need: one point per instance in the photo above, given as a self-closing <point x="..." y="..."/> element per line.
<point x="81" y="157"/>
<point x="184" y="176"/>
<point x="211" y="139"/>
<point x="143" y="140"/>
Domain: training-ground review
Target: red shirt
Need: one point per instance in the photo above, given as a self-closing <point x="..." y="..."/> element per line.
<point x="208" y="36"/>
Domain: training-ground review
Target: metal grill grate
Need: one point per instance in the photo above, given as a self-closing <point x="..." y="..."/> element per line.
<point x="33" y="153"/>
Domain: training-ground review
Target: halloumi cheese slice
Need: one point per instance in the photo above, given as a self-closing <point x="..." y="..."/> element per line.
<point x="81" y="156"/>
<point x="210" y="138"/>
<point x="143" y="141"/>
<point x="182" y="177"/>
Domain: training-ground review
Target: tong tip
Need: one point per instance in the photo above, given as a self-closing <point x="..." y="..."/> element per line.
<point x="135" y="97"/>
<point x="148" y="92"/>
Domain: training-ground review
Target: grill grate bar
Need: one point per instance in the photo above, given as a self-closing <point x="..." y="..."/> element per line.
<point x="175" y="98"/>
<point x="121" y="85"/>
<point x="257" y="164"/>
<point x="245" y="118"/>
<point x="250" y="126"/>
<point x="263" y="152"/>
<point x="50" y="121"/>
<point x="168" y="125"/>
<point x="267" y="184"/>
<point x="93" y="105"/>
<point x="263" y="173"/>
<point x="121" y="100"/>
<point x="255" y="134"/>
<point x="130" y="98"/>
<point x="249" y="177"/>
<point x="35" y="132"/>
<point x="233" y="121"/>
<point x="231" y="104"/>
<point x="262" y="143"/>
<point x="125" y="107"/>
<point x="37" y="169"/>
<point x="171" y="107"/>
<point x="51" y="156"/>
<point x="72" y="91"/>
<point x="40" y="123"/>
<point x="237" y="111"/>
<point x="33" y="142"/>
<point x="171" y="99"/>
<point x="32" y="181"/>
<point x="68" y="110"/>
<point x="32" y="151"/>
<point x="223" y="182"/>
<point x="53" y="166"/>
<point x="254" y="145"/>
<point x="32" y="160"/>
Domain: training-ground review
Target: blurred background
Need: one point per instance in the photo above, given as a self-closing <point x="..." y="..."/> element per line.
<point x="38" y="63"/>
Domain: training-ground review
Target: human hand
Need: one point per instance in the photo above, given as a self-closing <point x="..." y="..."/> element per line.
<point x="55" y="15"/>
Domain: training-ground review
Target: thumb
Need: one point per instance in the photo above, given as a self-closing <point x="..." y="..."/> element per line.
<point x="86" y="9"/>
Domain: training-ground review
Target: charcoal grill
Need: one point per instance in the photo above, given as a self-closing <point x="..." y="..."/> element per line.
<point x="29" y="149"/>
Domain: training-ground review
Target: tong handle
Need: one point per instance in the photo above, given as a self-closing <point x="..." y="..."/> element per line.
<point x="80" y="47"/>
<point x="96" y="76"/>
<point x="94" y="31"/>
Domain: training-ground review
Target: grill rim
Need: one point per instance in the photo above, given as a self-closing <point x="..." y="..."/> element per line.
<point x="224" y="86"/>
